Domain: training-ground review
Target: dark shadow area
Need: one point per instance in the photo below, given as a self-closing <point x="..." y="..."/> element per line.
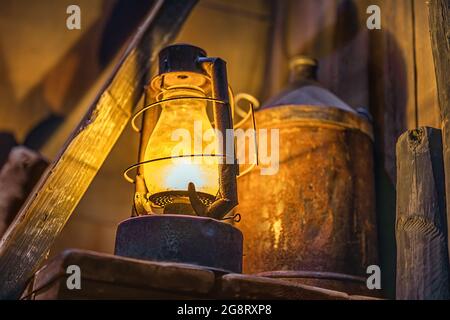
<point x="125" y="17"/>
<point x="388" y="98"/>
<point x="7" y="142"/>
<point x="80" y="67"/>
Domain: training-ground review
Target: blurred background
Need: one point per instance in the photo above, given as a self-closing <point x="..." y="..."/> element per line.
<point x="49" y="75"/>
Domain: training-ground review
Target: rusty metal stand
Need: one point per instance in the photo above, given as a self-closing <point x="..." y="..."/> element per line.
<point x="184" y="239"/>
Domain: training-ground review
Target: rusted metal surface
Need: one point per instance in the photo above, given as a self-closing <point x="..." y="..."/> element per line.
<point x="185" y="239"/>
<point x="318" y="212"/>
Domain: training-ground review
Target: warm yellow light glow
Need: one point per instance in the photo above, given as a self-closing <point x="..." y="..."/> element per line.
<point x="183" y="128"/>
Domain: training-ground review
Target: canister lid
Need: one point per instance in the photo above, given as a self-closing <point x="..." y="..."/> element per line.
<point x="304" y="88"/>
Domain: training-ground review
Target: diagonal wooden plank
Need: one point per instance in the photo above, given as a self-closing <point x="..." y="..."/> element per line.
<point x="50" y="205"/>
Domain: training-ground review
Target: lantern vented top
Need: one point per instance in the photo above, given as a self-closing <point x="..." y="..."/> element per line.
<point x="179" y="58"/>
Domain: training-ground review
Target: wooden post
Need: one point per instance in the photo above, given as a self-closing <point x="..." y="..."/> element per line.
<point x="421" y="229"/>
<point x="439" y="19"/>
<point x="50" y="205"/>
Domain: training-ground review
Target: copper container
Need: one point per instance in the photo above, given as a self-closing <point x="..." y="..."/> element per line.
<point x="315" y="219"/>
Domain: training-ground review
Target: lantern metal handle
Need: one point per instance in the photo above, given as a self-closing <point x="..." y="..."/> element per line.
<point x="254" y="103"/>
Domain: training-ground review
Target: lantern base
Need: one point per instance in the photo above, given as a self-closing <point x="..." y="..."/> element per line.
<point x="184" y="239"/>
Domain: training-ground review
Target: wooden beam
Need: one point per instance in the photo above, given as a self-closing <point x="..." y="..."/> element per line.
<point x="439" y="19"/>
<point x="421" y="230"/>
<point x="50" y="205"/>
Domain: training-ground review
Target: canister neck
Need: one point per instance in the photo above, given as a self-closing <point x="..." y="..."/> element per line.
<point x="303" y="68"/>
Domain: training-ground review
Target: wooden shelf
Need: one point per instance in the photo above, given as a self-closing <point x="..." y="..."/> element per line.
<point x="105" y="276"/>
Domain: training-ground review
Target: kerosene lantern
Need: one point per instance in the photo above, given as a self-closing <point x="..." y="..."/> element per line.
<point x="186" y="175"/>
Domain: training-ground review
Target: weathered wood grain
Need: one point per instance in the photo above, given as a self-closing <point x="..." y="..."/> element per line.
<point x="439" y="19"/>
<point x="421" y="230"/>
<point x="28" y="240"/>
<point x="124" y="278"/>
<point x="120" y="278"/>
<point x="248" y="287"/>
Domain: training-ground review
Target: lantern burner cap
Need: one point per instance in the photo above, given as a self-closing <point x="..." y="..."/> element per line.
<point x="177" y="202"/>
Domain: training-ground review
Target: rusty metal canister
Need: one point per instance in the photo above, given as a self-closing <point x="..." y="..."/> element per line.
<point x="314" y="221"/>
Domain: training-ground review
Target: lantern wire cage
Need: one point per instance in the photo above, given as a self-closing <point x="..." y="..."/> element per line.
<point x="245" y="117"/>
<point x="152" y="203"/>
